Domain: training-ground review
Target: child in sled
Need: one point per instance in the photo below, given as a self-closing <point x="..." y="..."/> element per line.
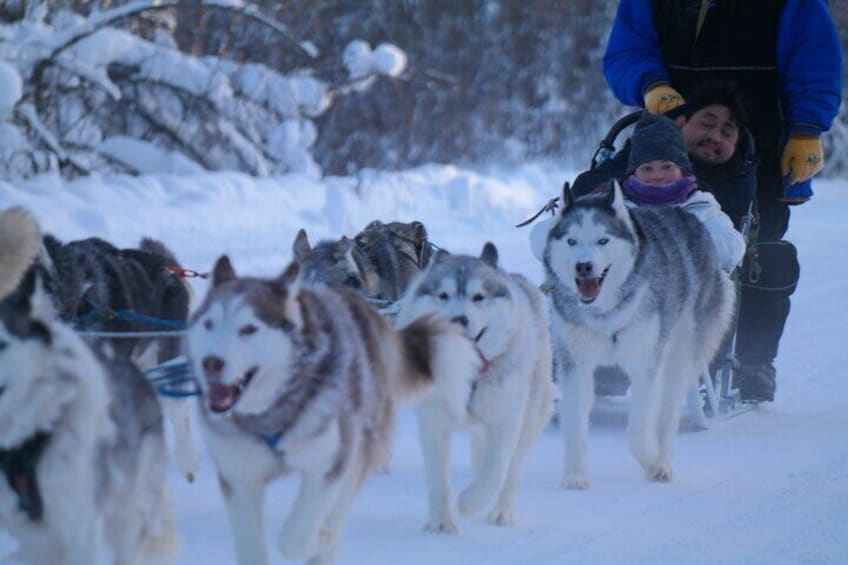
<point x="659" y="173"/>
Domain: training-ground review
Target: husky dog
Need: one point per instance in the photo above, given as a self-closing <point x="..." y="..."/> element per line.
<point x="339" y="263"/>
<point x="398" y="251"/>
<point x="81" y="447"/>
<point x="380" y="261"/>
<point x="508" y="405"/>
<point x="640" y="289"/>
<point x="86" y="282"/>
<point x="306" y="378"/>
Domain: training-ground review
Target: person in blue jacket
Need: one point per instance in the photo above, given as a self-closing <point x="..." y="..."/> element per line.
<point x="786" y="58"/>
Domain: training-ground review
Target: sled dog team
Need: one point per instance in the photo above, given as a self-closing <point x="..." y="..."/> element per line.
<point x="300" y="373"/>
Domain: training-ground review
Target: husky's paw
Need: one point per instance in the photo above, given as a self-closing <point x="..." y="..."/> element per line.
<point x="188" y="459"/>
<point x="575" y="481"/>
<point x="445" y="526"/>
<point x="660" y="473"/>
<point x="501" y="517"/>
<point x="294" y="546"/>
<point x="471" y="500"/>
<point x="327" y="538"/>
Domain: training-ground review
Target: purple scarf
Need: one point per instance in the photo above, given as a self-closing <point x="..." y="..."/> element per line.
<point x="675" y="192"/>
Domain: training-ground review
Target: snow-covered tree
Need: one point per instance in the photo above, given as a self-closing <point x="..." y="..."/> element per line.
<point x="115" y="90"/>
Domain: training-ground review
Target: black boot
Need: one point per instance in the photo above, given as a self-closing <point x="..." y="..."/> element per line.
<point x="756" y="383"/>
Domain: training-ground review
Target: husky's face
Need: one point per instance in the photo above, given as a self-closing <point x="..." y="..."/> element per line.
<point x="471" y="292"/>
<point x="592" y="247"/>
<point x="32" y="393"/>
<point x="240" y="341"/>
<point x="334" y="263"/>
<point x="409" y="239"/>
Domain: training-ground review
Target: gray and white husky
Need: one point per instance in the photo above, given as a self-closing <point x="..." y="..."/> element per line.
<point x="640" y="289"/>
<point x="85" y="282"/>
<point x="307" y="378"/>
<point x="509" y="405"/>
<point x="81" y="448"/>
<point x="380" y="261"/>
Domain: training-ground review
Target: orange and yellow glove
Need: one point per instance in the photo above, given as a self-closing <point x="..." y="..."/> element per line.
<point x="803" y="157"/>
<point x="662" y="98"/>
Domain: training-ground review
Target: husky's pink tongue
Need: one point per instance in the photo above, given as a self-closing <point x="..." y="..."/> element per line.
<point x="221" y="397"/>
<point x="588" y="288"/>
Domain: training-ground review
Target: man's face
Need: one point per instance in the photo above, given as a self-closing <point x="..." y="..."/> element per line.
<point x="710" y="134"/>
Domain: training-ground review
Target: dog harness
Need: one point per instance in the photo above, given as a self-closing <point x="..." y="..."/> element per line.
<point x="19" y="465"/>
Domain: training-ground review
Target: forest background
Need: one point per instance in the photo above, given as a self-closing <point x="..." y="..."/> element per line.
<point x="484" y="81"/>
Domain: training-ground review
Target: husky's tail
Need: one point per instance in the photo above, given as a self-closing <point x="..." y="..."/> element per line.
<point x="438" y="354"/>
<point x="20" y="241"/>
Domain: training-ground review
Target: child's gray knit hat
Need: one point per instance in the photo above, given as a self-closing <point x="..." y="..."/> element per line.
<point x="657" y="138"/>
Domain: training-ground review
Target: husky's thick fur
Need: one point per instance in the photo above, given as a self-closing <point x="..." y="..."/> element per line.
<point x="398" y="251"/>
<point x="380" y="261"/>
<point x="306" y="378"/>
<point x="81" y="448"/>
<point x="508" y="405"/>
<point x="85" y="282"/>
<point x="640" y="289"/>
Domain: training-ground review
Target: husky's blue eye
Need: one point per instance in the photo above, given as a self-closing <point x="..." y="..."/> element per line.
<point x="247" y="330"/>
<point x="603" y="241"/>
<point x="571" y="241"/>
<point x="478" y="298"/>
<point x="443" y="296"/>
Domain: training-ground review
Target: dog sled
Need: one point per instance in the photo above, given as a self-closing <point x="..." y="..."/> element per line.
<point x="715" y="397"/>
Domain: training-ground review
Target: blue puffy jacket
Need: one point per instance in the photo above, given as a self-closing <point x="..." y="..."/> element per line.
<point x="808" y="70"/>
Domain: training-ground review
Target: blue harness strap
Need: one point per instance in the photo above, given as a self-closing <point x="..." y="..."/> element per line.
<point x="173" y="379"/>
<point x="272" y="440"/>
<point x="125" y="315"/>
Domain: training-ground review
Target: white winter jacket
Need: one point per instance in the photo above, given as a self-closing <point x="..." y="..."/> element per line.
<point x="729" y="243"/>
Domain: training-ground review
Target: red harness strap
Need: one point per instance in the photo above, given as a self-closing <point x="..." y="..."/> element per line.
<point x="183" y="273"/>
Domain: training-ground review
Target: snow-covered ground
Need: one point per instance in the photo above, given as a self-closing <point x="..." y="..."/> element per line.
<point x="769" y="486"/>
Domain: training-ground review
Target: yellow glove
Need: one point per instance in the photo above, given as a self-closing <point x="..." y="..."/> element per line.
<point x="662" y="98"/>
<point x="803" y="157"/>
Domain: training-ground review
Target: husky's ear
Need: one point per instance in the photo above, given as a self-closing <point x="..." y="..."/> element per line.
<point x="301" y="246"/>
<point x="289" y="276"/>
<point x="490" y="254"/>
<point x="288" y="285"/>
<point x="615" y="200"/>
<point x="440" y="255"/>
<point x="567" y="196"/>
<point x="363" y="238"/>
<point x="416" y="231"/>
<point x="223" y="271"/>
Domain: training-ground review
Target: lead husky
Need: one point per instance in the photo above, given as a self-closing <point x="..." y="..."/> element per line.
<point x="306" y="378"/>
<point x="82" y="449"/>
<point x="509" y="405"/>
<point x="641" y="289"/>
